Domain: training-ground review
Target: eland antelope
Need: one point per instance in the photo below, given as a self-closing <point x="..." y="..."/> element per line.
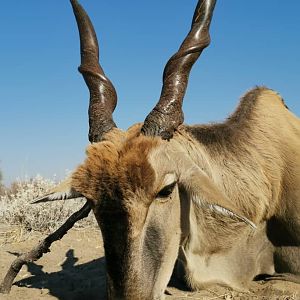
<point x="210" y="203"/>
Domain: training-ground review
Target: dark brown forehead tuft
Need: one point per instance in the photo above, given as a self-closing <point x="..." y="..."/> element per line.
<point x="116" y="167"/>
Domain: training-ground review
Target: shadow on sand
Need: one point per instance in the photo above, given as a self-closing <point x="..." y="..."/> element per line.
<point x="84" y="281"/>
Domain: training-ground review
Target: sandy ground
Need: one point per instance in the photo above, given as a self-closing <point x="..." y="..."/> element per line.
<point x="75" y="269"/>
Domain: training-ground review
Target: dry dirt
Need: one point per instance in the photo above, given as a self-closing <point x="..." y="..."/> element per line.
<point x="75" y="269"/>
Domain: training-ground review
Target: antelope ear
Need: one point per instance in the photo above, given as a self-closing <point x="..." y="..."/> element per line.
<point x="63" y="191"/>
<point x="204" y="193"/>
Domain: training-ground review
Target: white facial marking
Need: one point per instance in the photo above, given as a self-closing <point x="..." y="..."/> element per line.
<point x="169" y="179"/>
<point x="222" y="210"/>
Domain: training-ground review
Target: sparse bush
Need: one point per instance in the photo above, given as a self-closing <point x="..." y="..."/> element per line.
<point x="2" y="187"/>
<point x="15" y="207"/>
<point x="2" y="190"/>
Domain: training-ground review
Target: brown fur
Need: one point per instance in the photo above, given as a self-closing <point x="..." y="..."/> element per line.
<point x="118" y="179"/>
<point x="116" y="166"/>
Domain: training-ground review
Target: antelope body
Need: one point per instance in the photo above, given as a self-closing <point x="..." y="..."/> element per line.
<point x="214" y="203"/>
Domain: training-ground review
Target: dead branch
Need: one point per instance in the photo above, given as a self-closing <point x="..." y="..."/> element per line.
<point x="42" y="247"/>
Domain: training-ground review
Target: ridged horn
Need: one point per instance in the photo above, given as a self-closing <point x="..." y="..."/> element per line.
<point x="103" y="96"/>
<point x="167" y="115"/>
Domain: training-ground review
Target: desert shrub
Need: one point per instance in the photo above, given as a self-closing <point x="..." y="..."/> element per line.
<point x="16" y="207"/>
<point x="2" y="187"/>
<point x="2" y="190"/>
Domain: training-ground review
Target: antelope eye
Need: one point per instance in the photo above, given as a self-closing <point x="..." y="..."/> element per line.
<point x="166" y="191"/>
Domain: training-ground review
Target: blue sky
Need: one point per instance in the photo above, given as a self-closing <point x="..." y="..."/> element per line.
<point x="43" y="115"/>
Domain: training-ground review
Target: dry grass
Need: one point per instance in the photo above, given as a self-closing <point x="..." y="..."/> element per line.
<point x="259" y="291"/>
<point x="25" y="218"/>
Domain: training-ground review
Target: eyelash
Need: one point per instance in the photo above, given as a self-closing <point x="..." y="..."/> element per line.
<point x="166" y="191"/>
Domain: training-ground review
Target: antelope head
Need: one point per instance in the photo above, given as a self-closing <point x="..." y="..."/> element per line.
<point x="136" y="181"/>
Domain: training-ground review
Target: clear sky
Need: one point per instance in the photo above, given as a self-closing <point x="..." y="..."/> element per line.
<point x="43" y="114"/>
